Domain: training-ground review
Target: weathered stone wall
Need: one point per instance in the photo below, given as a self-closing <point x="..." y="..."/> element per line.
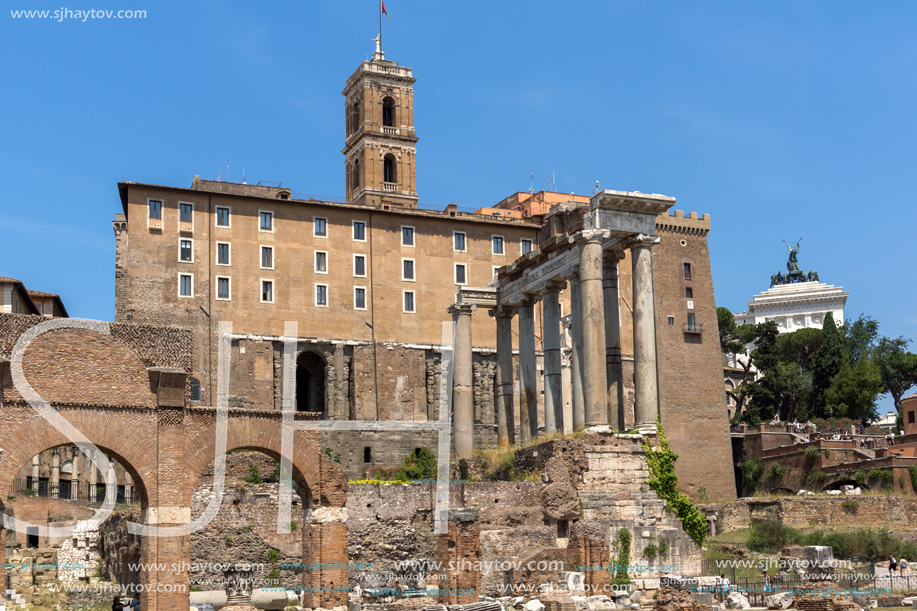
<point x="801" y="512"/>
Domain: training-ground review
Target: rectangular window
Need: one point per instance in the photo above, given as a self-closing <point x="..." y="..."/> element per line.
<point x="185" y="213"/>
<point x="458" y="241"/>
<point x="267" y="257"/>
<point x="460" y="277"/>
<point x="267" y="291"/>
<point x="910" y="417"/>
<point x="155" y="209"/>
<point x="359" y="298"/>
<point x="185" y="251"/>
<point x="222" y="216"/>
<point x="671" y="321"/>
<point x="223" y="288"/>
<point x="359" y="231"/>
<point x="185" y="285"/>
<point x="497" y="242"/>
<point x="691" y="325"/>
<point x="319" y="227"/>
<point x="222" y="253"/>
<point x="407" y="235"/>
<point x="267" y="221"/>
<point x="359" y="266"/>
<point x="409" y="302"/>
<point x="689" y="292"/>
<point x="526" y="246"/>
<point x="407" y="269"/>
<point x="687" y="271"/>
<point x="321" y="295"/>
<point x="321" y="262"/>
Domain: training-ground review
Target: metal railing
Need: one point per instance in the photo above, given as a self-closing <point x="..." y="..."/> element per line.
<point x="71" y="491"/>
<point x="693" y="328"/>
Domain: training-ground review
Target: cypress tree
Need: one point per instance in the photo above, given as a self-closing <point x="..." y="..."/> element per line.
<point x="827" y="362"/>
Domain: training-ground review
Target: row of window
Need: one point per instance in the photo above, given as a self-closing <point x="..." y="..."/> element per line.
<point x="224" y="292"/>
<point x="320" y="227"/>
<point x="223" y="257"/>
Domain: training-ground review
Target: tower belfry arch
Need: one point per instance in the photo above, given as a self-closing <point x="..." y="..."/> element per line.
<point x="381" y="146"/>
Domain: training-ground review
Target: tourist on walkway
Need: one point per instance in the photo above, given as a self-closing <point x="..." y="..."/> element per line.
<point x="116" y="605"/>
<point x="902" y="567"/>
<point x="892" y="566"/>
<point x="135" y="602"/>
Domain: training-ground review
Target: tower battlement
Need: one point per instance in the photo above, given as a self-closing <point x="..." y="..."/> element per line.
<point x="677" y="221"/>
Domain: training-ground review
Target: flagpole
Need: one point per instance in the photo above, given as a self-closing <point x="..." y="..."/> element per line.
<point x="380" y="25"/>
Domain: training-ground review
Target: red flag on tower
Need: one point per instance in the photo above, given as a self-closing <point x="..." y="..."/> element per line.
<point x="385" y="11"/>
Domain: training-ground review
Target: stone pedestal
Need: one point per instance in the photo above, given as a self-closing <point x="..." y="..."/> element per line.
<point x="239" y="582"/>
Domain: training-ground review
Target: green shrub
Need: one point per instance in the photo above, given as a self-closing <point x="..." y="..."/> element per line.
<point x="912" y="470"/>
<point x="752" y="472"/>
<point x="334" y="457"/>
<point x="850" y="506"/>
<point x="771" y="536"/>
<point x="273" y="555"/>
<point x="811" y="453"/>
<point x="860" y="476"/>
<point x="826" y="452"/>
<point x="293" y="525"/>
<point x="663" y="549"/>
<point x="776" y="472"/>
<point x="818" y="477"/>
<point x="650" y="551"/>
<point x="620" y="576"/>
<point x="254" y="477"/>
<point x="420" y="464"/>
<point x="902" y="482"/>
<point x="661" y="464"/>
<point x="273" y="578"/>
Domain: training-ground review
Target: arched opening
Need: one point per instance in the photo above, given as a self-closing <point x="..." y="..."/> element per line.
<point x="310" y="383"/>
<point x="353" y="123"/>
<point x="391" y="175"/>
<point x="840" y="484"/>
<point x="388" y="112"/>
<point x="195" y="389"/>
<point x="355" y="175"/>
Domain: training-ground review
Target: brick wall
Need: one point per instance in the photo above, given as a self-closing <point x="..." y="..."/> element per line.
<point x="803" y="512"/>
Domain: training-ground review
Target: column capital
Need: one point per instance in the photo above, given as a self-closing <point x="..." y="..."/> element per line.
<point x="503" y="311"/>
<point x="530" y="299"/>
<point x="613" y="256"/>
<point x="555" y="286"/>
<point x="642" y="240"/>
<point x="462" y="308"/>
<point x="590" y="235"/>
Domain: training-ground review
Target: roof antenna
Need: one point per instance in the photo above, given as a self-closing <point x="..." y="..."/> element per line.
<point x="243" y="175"/>
<point x="227" y="169"/>
<point x="531" y="181"/>
<point x="596" y="188"/>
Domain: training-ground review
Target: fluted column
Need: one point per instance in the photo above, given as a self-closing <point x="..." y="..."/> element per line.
<point x="553" y="393"/>
<point x="646" y="399"/>
<point x="613" y="369"/>
<point x="576" y="354"/>
<point x="595" y="386"/>
<point x="506" y="421"/>
<point x="75" y="473"/>
<point x="528" y="405"/>
<point x="462" y="381"/>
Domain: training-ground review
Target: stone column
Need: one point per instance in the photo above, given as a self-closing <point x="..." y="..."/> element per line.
<point x="341" y="407"/>
<point x="324" y="545"/>
<point x="128" y="488"/>
<point x="506" y="427"/>
<point x="613" y="341"/>
<point x="93" y="477"/>
<point x="553" y="395"/>
<point x="595" y="386"/>
<point x="458" y="552"/>
<point x="462" y="381"/>
<point x="528" y="403"/>
<point x="55" y="474"/>
<point x="111" y="482"/>
<point x="36" y="473"/>
<point x="646" y="401"/>
<point x="75" y="472"/>
<point x="576" y="354"/>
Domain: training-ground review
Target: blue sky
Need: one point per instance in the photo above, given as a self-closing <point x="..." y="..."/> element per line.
<point x="781" y="120"/>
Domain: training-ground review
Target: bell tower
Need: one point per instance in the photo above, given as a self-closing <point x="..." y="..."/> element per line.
<point x="380" y="149"/>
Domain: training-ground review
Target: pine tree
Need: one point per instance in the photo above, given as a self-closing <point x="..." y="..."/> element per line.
<point x="827" y="362"/>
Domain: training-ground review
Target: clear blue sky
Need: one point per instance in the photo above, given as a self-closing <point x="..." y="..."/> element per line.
<point x="781" y="120"/>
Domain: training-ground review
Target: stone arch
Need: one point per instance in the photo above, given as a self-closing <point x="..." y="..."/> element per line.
<point x="388" y="111"/>
<point x="311" y="381"/>
<point x="390" y="169"/>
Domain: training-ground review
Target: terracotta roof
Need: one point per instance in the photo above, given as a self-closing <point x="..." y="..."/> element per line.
<point x="5" y="279"/>
<point x="910" y="396"/>
<point x="42" y="294"/>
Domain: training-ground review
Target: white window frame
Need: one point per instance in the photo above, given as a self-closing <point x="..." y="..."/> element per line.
<point x="216" y="217"/>
<point x="413" y="236"/>
<point x="315" y="235"/>
<point x="522" y="242"/>
<point x="464" y="241"/>
<point x="355" y="289"/>
<point x="180" y="204"/>
<point x="261" y="257"/>
<point x="315" y="295"/>
<point x="271" y="230"/>
<point x="180" y="296"/>
<point x="216" y="260"/>
<point x="414" y="300"/>
<point x="261" y="290"/>
<point x="413" y="268"/>
<point x="162" y="206"/>
<point x="353" y="230"/>
<point x="315" y="262"/>
<point x="180" y="240"/>
<point x="455" y="274"/>
<point x="502" y="243"/>
<point x="365" y="268"/>
<point x="216" y="293"/>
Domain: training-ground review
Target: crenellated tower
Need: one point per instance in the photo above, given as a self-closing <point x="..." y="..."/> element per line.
<point x="380" y="149"/>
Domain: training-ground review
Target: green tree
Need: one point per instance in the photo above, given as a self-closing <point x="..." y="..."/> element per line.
<point x="860" y="337"/>
<point x="733" y="340"/>
<point x="826" y="363"/>
<point x="854" y="390"/>
<point x="897" y="368"/>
